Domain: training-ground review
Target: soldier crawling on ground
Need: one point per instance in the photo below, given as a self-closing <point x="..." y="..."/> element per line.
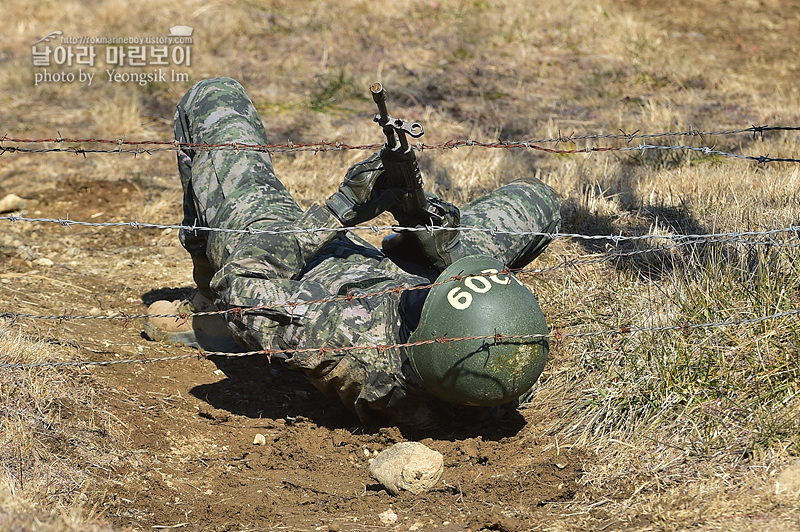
<point x="420" y="289"/>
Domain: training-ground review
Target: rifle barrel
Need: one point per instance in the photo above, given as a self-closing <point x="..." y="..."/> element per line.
<point x="379" y="97"/>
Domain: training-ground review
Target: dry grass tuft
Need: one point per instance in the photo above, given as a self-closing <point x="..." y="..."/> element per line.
<point x="51" y="426"/>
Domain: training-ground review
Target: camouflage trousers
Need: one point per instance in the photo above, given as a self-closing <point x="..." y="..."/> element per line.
<point x="238" y="190"/>
<point x="217" y="111"/>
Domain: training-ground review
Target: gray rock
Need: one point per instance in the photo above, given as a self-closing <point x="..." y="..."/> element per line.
<point x="407" y="466"/>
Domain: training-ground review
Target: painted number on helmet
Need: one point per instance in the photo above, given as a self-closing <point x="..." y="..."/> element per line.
<point x="461" y="299"/>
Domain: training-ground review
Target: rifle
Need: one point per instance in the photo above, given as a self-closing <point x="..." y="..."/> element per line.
<point x="400" y="163"/>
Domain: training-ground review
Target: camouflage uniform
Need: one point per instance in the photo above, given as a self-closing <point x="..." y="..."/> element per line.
<point x="226" y="189"/>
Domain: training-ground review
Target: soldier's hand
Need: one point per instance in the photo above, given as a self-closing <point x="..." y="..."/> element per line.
<point x="438" y="247"/>
<point x="442" y="246"/>
<point x="364" y="193"/>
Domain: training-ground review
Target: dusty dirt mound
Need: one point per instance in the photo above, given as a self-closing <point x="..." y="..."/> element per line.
<point x="203" y="468"/>
<point x="187" y="457"/>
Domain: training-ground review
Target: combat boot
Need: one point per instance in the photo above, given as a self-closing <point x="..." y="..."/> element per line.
<point x="177" y="323"/>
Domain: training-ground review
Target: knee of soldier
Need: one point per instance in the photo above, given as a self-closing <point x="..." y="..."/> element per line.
<point x="209" y="89"/>
<point x="538" y="187"/>
<point x="533" y="192"/>
<point x="223" y="82"/>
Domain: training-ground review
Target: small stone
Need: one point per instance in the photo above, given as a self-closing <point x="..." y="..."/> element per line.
<point x="259" y="440"/>
<point x="12" y="202"/>
<point x="407" y="466"/>
<point x="389" y="517"/>
<point x="43" y="261"/>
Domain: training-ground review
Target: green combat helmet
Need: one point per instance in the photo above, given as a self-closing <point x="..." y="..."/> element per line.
<point x="476" y="299"/>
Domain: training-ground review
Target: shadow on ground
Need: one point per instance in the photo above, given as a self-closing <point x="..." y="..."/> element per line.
<point x="256" y="388"/>
<point x="649" y="257"/>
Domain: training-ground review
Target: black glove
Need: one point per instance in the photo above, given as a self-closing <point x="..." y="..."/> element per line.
<point x="364" y="193"/>
<point x="438" y="247"/>
<point x="442" y="246"/>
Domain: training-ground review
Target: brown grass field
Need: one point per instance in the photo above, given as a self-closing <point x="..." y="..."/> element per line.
<point x="695" y="428"/>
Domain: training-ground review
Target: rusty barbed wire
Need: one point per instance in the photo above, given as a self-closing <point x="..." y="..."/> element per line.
<point x="496" y="337"/>
<point x="322" y="147"/>
<point x="154" y="146"/>
<point x="628" y="137"/>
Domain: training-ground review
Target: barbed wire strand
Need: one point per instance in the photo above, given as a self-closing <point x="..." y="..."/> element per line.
<point x="493" y="231"/>
<point x="328" y="146"/>
<point x="125" y="317"/>
<point x="496" y="338"/>
<point x="756" y="131"/>
<point x="154" y="146"/>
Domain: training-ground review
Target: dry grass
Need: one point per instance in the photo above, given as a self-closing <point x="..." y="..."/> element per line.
<point x="51" y="426"/>
<point x="710" y="415"/>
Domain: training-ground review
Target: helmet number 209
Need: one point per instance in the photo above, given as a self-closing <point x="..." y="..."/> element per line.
<point x="461" y="298"/>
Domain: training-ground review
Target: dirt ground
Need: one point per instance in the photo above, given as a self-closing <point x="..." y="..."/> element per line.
<point x="189" y="427"/>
